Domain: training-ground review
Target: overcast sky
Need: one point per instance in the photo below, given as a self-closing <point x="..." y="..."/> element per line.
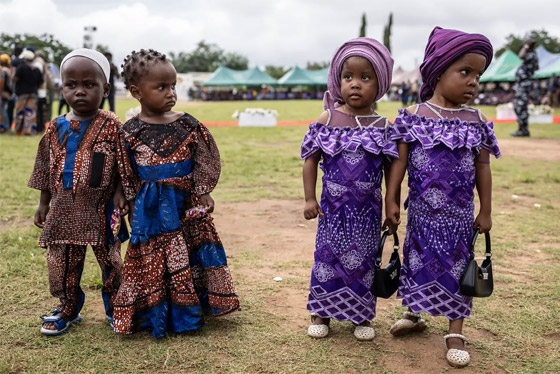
<point x="277" y="32"/>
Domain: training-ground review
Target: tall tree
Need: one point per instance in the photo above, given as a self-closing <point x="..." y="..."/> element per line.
<point x="317" y="65"/>
<point x="53" y="48"/>
<point x="275" y="72"/>
<point x="364" y="25"/>
<point x="207" y="57"/>
<point x="387" y="32"/>
<point x="541" y="37"/>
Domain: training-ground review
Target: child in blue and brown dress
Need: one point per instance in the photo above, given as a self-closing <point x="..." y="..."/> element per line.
<point x="76" y="171"/>
<point x="175" y="263"/>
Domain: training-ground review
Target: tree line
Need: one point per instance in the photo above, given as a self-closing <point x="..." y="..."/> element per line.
<point x="206" y="57"/>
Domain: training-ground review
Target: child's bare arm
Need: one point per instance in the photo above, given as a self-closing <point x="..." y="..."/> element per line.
<point x="43" y="209"/>
<point x="312" y="208"/>
<point x="393" y="185"/>
<point x="484" y="188"/>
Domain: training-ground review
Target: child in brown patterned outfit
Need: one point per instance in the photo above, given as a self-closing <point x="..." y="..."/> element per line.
<point x="175" y="266"/>
<point x="76" y="172"/>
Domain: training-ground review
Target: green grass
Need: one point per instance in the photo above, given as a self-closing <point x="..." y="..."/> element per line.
<point x="520" y="319"/>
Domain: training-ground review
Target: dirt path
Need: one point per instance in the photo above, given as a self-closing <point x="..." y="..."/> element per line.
<point x="279" y="242"/>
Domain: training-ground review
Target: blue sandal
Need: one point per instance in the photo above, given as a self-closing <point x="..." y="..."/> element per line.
<point x="61" y="325"/>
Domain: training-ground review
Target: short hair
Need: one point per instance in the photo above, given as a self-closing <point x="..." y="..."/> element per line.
<point x="137" y="63"/>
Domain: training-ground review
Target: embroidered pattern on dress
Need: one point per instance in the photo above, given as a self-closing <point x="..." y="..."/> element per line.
<point x="323" y="272"/>
<point x="458" y="269"/>
<point x="353" y="157"/>
<point x="351" y="260"/>
<point x="414" y="260"/>
<point x="467" y="161"/>
<point x="368" y="278"/>
<point x="435" y="198"/>
<point x="336" y="189"/>
<point x="419" y="158"/>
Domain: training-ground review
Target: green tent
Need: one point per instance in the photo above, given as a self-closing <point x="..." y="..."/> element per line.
<point x="225" y="77"/>
<point x="503" y="69"/>
<point x="296" y="77"/>
<point x="221" y="77"/>
<point x="257" y="77"/>
<point x="319" y="76"/>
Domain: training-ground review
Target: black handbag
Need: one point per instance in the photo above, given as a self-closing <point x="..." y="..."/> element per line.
<point x="386" y="280"/>
<point x="477" y="281"/>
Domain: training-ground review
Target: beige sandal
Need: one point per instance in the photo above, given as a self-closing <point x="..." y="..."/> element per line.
<point x="406" y="325"/>
<point x="364" y="333"/>
<point x="457" y="357"/>
<point x="317" y="331"/>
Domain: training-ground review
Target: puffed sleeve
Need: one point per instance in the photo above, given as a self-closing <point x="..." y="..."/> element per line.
<point x="127" y="167"/>
<point x="207" y="167"/>
<point x="40" y="176"/>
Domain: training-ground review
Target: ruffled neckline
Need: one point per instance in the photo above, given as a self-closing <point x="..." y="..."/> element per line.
<point x="334" y="140"/>
<point x="451" y="132"/>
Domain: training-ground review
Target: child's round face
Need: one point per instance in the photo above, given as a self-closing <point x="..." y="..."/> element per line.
<point x="83" y="85"/>
<point x="459" y="83"/>
<point x="156" y="89"/>
<point x="358" y="84"/>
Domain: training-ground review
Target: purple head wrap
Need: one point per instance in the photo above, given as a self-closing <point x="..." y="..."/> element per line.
<point x="443" y="48"/>
<point x="370" y="49"/>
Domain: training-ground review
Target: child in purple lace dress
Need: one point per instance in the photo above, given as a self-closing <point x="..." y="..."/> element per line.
<point x="445" y="147"/>
<point x="350" y="140"/>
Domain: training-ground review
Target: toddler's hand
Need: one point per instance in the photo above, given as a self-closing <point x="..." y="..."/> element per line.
<point x="120" y="201"/>
<point x="393" y="217"/>
<point x="207" y="202"/>
<point x="312" y="209"/>
<point x="41" y="215"/>
<point x="484" y="222"/>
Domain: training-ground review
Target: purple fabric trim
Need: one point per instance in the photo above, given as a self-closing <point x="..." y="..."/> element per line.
<point x="334" y="140"/>
<point x="452" y="132"/>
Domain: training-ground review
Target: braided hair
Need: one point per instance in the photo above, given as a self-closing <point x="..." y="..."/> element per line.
<point x="138" y="63"/>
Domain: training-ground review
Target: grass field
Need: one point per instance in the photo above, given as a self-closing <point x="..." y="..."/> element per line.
<point x="517" y="330"/>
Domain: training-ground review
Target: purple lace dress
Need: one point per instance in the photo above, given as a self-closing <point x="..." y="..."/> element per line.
<point x="443" y="145"/>
<point x="353" y="151"/>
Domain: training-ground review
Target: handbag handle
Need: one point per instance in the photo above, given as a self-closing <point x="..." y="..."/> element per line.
<point x="382" y="244"/>
<point x="488" y="253"/>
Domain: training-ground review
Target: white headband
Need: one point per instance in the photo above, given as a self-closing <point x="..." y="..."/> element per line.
<point x="93" y="55"/>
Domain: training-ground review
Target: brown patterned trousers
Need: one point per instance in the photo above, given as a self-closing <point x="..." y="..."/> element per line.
<point x="65" y="263"/>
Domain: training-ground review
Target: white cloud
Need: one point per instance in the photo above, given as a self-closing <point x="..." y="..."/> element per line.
<point x="281" y="32"/>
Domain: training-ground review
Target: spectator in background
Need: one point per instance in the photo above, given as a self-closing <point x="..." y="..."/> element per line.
<point x="553" y="88"/>
<point x="27" y="80"/>
<point x="40" y="63"/>
<point x="5" y="91"/>
<point x="524" y="84"/>
<point x="405" y="87"/>
<point x="114" y="72"/>
<point x="12" y="102"/>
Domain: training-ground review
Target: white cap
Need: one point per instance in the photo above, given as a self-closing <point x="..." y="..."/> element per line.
<point x="27" y="54"/>
<point x="93" y="55"/>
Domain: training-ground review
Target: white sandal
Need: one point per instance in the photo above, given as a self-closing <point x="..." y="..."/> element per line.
<point x="406" y="325"/>
<point x="317" y="331"/>
<point x="364" y="333"/>
<point x="457" y="357"/>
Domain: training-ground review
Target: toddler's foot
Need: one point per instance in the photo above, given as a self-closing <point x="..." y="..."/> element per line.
<point x="456" y="356"/>
<point x="319" y="327"/>
<point x="411" y="322"/>
<point x="58" y="323"/>
<point x="364" y="331"/>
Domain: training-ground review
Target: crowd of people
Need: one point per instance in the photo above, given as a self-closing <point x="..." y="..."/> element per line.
<point x="29" y="86"/>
